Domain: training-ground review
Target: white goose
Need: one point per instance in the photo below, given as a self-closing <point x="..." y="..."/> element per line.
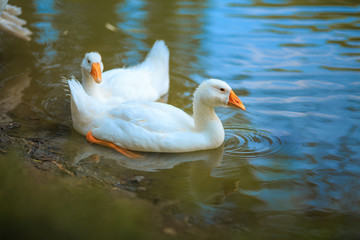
<point x="158" y="127"/>
<point x="146" y="81"/>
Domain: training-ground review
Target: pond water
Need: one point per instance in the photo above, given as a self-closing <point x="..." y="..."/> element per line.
<point x="290" y="164"/>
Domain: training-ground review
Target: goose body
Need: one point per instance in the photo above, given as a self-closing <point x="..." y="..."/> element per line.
<point x="92" y="98"/>
<point x="84" y="108"/>
<point x="159" y="127"/>
<point x="148" y="80"/>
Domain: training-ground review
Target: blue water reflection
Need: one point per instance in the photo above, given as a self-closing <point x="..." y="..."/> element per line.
<point x="46" y="10"/>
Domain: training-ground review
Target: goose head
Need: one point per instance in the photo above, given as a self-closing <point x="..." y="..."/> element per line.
<point x="217" y="93"/>
<point x="92" y="66"/>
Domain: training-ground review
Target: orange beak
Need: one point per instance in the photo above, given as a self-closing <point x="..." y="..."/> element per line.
<point x="234" y="101"/>
<point x="96" y="72"/>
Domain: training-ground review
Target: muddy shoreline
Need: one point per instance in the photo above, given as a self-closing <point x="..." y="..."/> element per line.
<point x="42" y="156"/>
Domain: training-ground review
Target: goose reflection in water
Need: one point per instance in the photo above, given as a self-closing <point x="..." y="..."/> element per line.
<point x="194" y="174"/>
<point x="150" y="161"/>
<point x="12" y="93"/>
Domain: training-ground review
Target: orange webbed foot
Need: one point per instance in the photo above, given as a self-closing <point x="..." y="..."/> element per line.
<point x="125" y="152"/>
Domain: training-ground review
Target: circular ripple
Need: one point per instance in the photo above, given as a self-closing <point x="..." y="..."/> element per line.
<point x="54" y="106"/>
<point x="253" y="143"/>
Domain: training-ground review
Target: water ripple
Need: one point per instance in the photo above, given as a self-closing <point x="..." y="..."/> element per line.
<point x="54" y="107"/>
<point x="300" y="99"/>
<point x="298" y="114"/>
<point x="296" y="85"/>
<point x="251" y="143"/>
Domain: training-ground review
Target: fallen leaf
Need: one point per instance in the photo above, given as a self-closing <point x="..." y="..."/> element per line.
<point x="111" y="27"/>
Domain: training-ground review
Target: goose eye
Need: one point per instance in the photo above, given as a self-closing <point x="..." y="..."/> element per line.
<point x="88" y="61"/>
<point x="222" y="89"/>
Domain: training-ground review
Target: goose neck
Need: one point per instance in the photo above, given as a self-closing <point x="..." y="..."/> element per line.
<point x="90" y="86"/>
<point x="204" y="115"/>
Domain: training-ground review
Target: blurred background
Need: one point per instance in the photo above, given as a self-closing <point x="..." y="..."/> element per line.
<point x="290" y="164"/>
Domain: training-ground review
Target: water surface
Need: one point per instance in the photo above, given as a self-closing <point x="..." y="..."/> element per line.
<point x="290" y="164"/>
